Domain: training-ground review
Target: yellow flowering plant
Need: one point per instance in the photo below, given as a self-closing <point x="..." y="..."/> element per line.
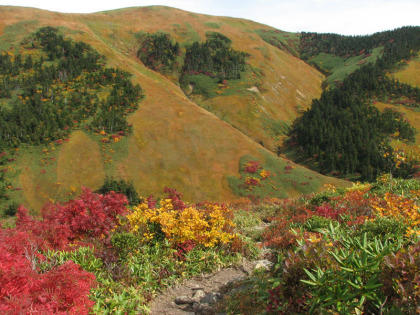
<point x="402" y="208"/>
<point x="208" y="225"/>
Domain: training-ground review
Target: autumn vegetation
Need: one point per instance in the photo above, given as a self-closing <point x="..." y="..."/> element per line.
<point x="111" y="249"/>
<point x="347" y="251"/>
<point x="343" y="133"/>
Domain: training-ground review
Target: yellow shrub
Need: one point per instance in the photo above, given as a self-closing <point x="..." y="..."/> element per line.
<point x="402" y="208"/>
<point x="207" y="226"/>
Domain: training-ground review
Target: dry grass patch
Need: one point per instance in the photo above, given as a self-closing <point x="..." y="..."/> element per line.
<point x="410" y="74"/>
<point x="80" y="164"/>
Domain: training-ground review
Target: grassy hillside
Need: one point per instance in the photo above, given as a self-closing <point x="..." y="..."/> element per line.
<point x="410" y="73"/>
<point x="412" y="149"/>
<point x="338" y="67"/>
<point x="193" y="147"/>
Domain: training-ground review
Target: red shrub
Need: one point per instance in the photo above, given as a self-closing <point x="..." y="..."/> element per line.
<point x="401" y="279"/>
<point x="327" y="211"/>
<point x="92" y="215"/>
<point x="252" y="167"/>
<point x="25" y="289"/>
<point x="184" y="248"/>
<point x="175" y="196"/>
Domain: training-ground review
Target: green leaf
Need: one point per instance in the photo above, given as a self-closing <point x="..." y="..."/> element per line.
<point x="337" y="259"/>
<point x="368" y="296"/>
<point x="362" y="300"/>
<point x="310" y="275"/>
<point x="373" y="286"/>
<point x="309" y="283"/>
<point x="328" y="304"/>
<point x="353" y="285"/>
<point x="349" y="297"/>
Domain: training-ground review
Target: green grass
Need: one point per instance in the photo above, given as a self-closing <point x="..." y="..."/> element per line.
<point x="16" y="32"/>
<point x="284" y="178"/>
<point x="338" y="67"/>
<point x="115" y="152"/>
<point x="212" y="24"/>
<point x="275" y="128"/>
<point x="288" y="42"/>
<point x="209" y="87"/>
<point x="192" y="34"/>
<point x="39" y="168"/>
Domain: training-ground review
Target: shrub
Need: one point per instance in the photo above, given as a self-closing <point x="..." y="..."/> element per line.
<point x="384" y="227"/>
<point x="402" y="208"/>
<point x="11" y="209"/>
<point x="316" y="222"/>
<point x="89" y="216"/>
<point x="252" y="167"/>
<point x="124" y="243"/>
<point x="121" y="187"/>
<point x="25" y="289"/>
<point x="401" y="279"/>
<point x="207" y="225"/>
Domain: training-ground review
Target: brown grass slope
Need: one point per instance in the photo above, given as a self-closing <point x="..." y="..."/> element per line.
<point x="175" y="142"/>
<point x="410" y="73"/>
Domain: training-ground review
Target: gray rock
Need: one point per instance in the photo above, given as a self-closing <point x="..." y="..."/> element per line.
<point x="234" y="280"/>
<point x="196" y="306"/>
<point x="196" y="287"/>
<point x="198" y="295"/>
<point x="265" y="264"/>
<point x="202" y="308"/>
<point x="183" y="299"/>
<point x="211" y="298"/>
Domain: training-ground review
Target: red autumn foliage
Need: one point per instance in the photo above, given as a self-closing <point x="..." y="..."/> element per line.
<point x="352" y="208"/>
<point x="92" y="215"/>
<point x="252" y="167"/>
<point x="327" y="211"/>
<point x="184" y="248"/>
<point x="26" y="289"/>
<point x="151" y="202"/>
<point x="175" y="196"/>
<point x="28" y="282"/>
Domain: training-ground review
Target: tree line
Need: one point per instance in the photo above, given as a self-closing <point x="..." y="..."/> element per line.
<point x="343" y="132"/>
<point x="215" y="57"/>
<point x="50" y="85"/>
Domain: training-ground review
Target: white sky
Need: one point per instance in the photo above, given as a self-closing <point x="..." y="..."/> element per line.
<point x="347" y="17"/>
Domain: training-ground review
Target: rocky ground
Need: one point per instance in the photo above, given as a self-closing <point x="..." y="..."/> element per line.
<point x="199" y="295"/>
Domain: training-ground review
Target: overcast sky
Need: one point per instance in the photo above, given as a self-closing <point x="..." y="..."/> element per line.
<point x="347" y="17"/>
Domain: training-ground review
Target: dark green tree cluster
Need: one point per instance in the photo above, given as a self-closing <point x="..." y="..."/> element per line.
<point x="400" y="39"/>
<point x="57" y="90"/>
<point x="123" y="187"/>
<point x="393" y="121"/>
<point x="3" y="183"/>
<point x="215" y="57"/>
<point x="343" y="132"/>
<point x="158" y="52"/>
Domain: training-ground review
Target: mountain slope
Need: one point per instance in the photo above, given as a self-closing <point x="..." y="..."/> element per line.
<point x="175" y="142"/>
<point x="356" y="141"/>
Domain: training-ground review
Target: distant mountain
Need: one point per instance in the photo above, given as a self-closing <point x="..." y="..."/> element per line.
<point x="162" y="97"/>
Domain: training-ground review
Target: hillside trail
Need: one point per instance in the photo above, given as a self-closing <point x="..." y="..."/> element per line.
<point x="197" y="296"/>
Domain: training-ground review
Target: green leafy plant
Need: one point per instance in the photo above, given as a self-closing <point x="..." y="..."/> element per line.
<point x="353" y="287"/>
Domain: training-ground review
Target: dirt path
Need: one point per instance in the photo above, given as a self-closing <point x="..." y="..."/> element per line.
<point x="192" y="295"/>
<point x="198" y="295"/>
